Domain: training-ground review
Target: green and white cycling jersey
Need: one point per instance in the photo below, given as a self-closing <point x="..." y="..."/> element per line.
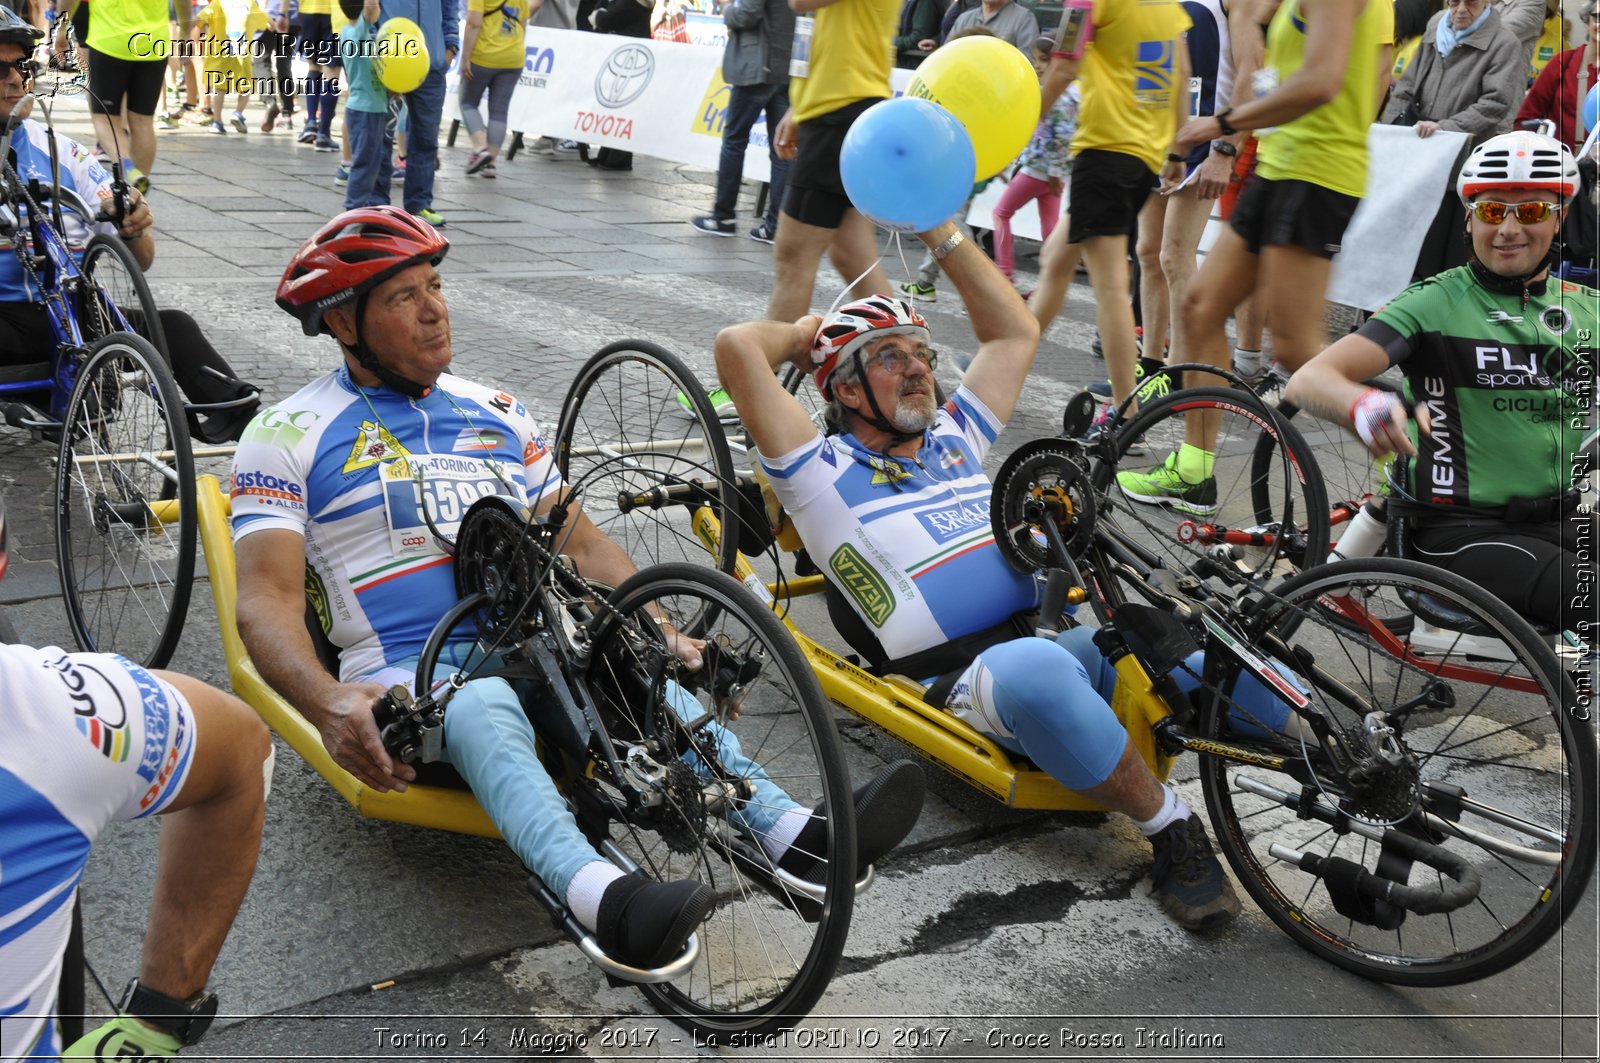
<point x="1507" y="378"/>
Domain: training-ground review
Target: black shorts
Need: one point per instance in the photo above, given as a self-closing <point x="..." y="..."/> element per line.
<point x="80" y="23"/>
<point x="112" y="79"/>
<point x="1545" y="572"/>
<point x="1292" y="214"/>
<point x="816" y="193"/>
<point x="318" y="43"/>
<point x="1108" y="191"/>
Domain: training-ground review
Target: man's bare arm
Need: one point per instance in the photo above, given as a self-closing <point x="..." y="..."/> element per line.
<point x="271" y="567"/>
<point x="1008" y="335"/>
<point x="748" y="357"/>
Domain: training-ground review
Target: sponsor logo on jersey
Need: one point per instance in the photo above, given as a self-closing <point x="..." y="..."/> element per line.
<point x="472" y="440"/>
<point x="1500" y="317"/>
<point x="264" y="485"/>
<point x="951" y="458"/>
<point x="99" y="712"/>
<point x="1556" y="320"/>
<point x="1153" y="73"/>
<point x="536" y="449"/>
<point x="863" y="583"/>
<point x="375" y="444"/>
<point x="885" y="471"/>
<point x="502" y="402"/>
<point x="953" y="521"/>
<point x="279" y="427"/>
<point x="1500" y="366"/>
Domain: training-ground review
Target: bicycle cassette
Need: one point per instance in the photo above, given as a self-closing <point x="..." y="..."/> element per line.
<point x="1041" y="481"/>
<point x="498" y="554"/>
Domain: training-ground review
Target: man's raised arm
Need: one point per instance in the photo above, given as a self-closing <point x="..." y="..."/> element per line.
<point x="1008" y="335"/>
<point x="748" y="358"/>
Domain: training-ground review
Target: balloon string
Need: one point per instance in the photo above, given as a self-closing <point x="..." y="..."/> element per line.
<point x="851" y="286"/>
<point x="900" y="250"/>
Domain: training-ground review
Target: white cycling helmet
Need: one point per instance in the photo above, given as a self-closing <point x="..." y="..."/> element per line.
<point x="1520" y="162"/>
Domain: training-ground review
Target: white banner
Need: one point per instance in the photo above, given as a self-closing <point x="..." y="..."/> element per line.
<point x="660" y="98"/>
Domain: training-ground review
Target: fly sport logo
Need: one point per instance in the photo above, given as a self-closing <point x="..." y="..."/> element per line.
<point x="863" y="583"/>
<point x="1153" y="73"/>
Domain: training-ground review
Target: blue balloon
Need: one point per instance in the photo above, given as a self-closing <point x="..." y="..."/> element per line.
<point x="1591" y="109"/>
<point x="907" y="164"/>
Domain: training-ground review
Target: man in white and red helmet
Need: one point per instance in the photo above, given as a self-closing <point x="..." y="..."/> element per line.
<point x="1499" y="365"/>
<point x="895" y="505"/>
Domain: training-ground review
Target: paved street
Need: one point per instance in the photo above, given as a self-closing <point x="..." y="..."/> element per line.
<point x="987" y="928"/>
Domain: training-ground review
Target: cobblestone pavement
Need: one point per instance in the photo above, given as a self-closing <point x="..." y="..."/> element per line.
<point x="988" y="923"/>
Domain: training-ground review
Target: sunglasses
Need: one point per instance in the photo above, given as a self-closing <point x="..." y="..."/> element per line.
<point x="24" y="67"/>
<point x="1492" y="213"/>
<point x="896" y="361"/>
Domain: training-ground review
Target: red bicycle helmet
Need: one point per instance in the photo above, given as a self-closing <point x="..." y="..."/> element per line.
<point x="849" y="328"/>
<point x="352" y="254"/>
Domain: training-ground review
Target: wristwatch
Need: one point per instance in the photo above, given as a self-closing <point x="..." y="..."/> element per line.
<point x="187" y="1020"/>
<point x="1222" y="121"/>
<point x="949" y="244"/>
<point x="1222" y="147"/>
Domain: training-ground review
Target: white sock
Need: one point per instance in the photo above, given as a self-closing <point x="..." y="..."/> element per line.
<point x="1246" y="361"/>
<point x="586" y="889"/>
<point x="776" y="841"/>
<point x="1172" y="811"/>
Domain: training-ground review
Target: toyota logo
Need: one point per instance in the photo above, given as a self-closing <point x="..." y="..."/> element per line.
<point x="624" y="75"/>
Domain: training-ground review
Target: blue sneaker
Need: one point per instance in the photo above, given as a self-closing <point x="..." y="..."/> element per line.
<point x="341" y="176"/>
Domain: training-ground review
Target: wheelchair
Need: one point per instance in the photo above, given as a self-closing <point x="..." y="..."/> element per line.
<point x="1419" y="816"/>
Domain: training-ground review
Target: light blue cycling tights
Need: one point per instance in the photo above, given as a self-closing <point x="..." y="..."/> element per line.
<point x="490" y="742"/>
<point x="1050" y="701"/>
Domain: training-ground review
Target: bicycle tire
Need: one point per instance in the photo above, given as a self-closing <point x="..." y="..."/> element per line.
<point x="125" y="576"/>
<point x="1505" y="732"/>
<point x="637" y="418"/>
<point x="1349" y="469"/>
<point x="1290" y="487"/>
<point x="113" y="273"/>
<point x="71" y="999"/>
<point x="762" y="964"/>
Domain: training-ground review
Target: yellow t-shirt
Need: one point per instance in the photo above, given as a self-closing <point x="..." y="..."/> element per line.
<point x="1403" y="56"/>
<point x="1549" y="43"/>
<point x="852" y="51"/>
<point x="1327" y="146"/>
<point x="1135" y="45"/>
<point x="255" y="21"/>
<point x="317" y="7"/>
<point x="213" y="23"/>
<point x="500" y="44"/>
<point x="131" y="29"/>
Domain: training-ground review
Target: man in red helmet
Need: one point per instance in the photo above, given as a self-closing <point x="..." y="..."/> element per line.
<point x="346" y="485"/>
<point x="898" y="503"/>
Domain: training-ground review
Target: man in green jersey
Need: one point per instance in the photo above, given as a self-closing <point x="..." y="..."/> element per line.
<point x="1499" y="365"/>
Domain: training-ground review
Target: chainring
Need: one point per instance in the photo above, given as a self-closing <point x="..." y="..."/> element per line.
<point x="497" y="554"/>
<point x="1041" y="480"/>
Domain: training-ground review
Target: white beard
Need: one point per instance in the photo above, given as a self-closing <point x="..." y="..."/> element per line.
<point x="913" y="418"/>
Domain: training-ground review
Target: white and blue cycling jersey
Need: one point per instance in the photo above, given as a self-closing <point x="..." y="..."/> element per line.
<point x="907" y="539"/>
<point x="359" y="472"/>
<point x="88" y="739"/>
<point x="79" y="172"/>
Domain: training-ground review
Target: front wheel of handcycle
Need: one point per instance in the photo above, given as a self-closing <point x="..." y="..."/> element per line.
<point x="125" y="503"/>
<point x="1465" y="769"/>
<point x="118" y="296"/>
<point x="1248" y="516"/>
<point x="640" y="436"/>
<point x="750" y="749"/>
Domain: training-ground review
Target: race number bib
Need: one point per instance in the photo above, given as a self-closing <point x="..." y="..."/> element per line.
<point x="432" y="487"/>
<point x="800" y="58"/>
<point x="1195" y="87"/>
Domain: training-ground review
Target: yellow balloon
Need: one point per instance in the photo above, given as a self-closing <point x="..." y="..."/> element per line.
<point x="993" y="91"/>
<point x="400" y="55"/>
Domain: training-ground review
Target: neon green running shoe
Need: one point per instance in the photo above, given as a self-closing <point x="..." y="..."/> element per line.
<point x="721" y="402"/>
<point x="1164" y="486"/>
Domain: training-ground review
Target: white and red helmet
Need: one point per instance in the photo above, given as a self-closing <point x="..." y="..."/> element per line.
<point x="845" y="330"/>
<point x="1519" y="162"/>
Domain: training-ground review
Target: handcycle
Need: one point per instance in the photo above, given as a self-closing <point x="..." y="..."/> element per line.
<point x="105" y="396"/>
<point x="668" y="770"/>
<point x="1415" y="814"/>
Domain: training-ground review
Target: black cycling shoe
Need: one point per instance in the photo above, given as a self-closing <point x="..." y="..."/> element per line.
<point x="887" y="808"/>
<point x="1188" y="881"/>
<point x="645" y="923"/>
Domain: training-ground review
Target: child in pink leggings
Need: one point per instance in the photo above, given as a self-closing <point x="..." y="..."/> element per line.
<point x="1041" y="172"/>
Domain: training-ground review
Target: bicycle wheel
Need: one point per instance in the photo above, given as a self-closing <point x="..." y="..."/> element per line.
<point x="1465" y="740"/>
<point x="752" y="719"/>
<point x="125" y="504"/>
<point x="121" y="296"/>
<point x="1250" y="519"/>
<point x="637" y="420"/>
